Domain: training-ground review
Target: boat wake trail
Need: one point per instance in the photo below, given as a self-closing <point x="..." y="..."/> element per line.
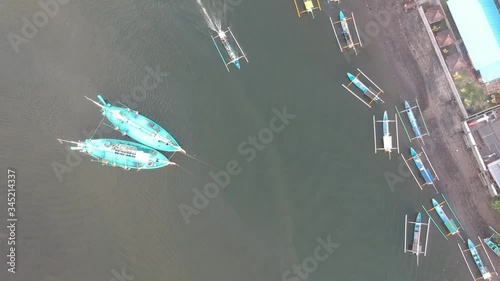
<point x="212" y="21"/>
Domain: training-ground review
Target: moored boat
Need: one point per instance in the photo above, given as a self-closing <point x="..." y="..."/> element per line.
<point x="426" y="173"/>
<point x="490" y="242"/>
<point x="450" y="224"/>
<point x="230" y="51"/>
<point x="138" y="127"/>
<point x="345" y="30"/>
<point x="362" y="87"/>
<point x="413" y="120"/>
<point x="417" y="247"/>
<point x="477" y="259"/>
<point x="125" y="154"/>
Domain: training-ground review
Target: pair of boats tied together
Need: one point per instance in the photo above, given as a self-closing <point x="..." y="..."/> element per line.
<point x="127" y="154"/>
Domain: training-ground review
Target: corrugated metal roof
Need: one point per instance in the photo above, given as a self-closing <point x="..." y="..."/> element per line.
<point x="494" y="168"/>
<point x="478" y="22"/>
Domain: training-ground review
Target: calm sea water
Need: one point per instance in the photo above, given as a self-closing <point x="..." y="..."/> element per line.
<point x="316" y="179"/>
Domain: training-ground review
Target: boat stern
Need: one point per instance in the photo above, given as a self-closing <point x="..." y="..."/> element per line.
<point x="387" y="143"/>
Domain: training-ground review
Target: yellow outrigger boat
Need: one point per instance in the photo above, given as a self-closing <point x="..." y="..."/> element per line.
<point x="309" y="7"/>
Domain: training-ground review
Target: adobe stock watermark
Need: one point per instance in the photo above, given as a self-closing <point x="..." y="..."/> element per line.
<point x="249" y="148"/>
<point x="230" y="5"/>
<point x="49" y="9"/>
<point x="371" y="30"/>
<point x="310" y="264"/>
<point x="121" y="276"/>
<point x="392" y="179"/>
<point x="138" y="94"/>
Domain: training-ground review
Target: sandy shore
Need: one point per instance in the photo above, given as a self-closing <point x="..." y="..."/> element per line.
<point x="410" y="51"/>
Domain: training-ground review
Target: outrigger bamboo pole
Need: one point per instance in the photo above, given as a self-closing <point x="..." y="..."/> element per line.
<point x="427" y="237"/>
<point x="402" y="122"/>
<point x="397" y="134"/>
<point x="370" y="80"/>
<point x="434" y="222"/>
<point x="461" y="251"/>
<point x="356" y="27"/>
<point x="406" y="232"/>
<point x="296" y="7"/>
<point x="374" y="135"/>
<point x="480" y="241"/>
<point x="414" y="177"/>
<point x="422" y="116"/>
<point x="449" y="206"/>
<point x="430" y="163"/>
<point x="335" y="32"/>
<point x="239" y="47"/>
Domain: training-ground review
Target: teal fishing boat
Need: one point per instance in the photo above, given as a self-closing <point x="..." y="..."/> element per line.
<point x="477" y="259"/>
<point x="138" y="127"/>
<point x="492" y="245"/>
<point x="426" y="173"/>
<point x="124" y="154"/>
<point x="413" y="120"/>
<point x="417" y="247"/>
<point x="449" y="223"/>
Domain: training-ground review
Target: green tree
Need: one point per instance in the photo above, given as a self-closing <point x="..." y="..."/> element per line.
<point x="495" y="204"/>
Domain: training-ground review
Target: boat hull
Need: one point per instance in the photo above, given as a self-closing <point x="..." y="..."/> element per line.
<point x="358" y="83"/>
<point x="124" y="154"/>
<point x="477" y="259"/>
<point x="144" y="129"/>
<point x="426" y="173"/>
<point x="413" y="120"/>
<point x="417" y="247"/>
<point x="450" y="224"/>
<point x="345" y="30"/>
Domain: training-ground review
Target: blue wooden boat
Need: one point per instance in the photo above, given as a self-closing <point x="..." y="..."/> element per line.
<point x="417" y="246"/>
<point x="477" y="259"/>
<point x="426" y="173"/>
<point x="450" y="224"/>
<point x="234" y="55"/>
<point x="492" y="245"/>
<point x="362" y="87"/>
<point x="413" y="120"/>
<point x="124" y="154"/>
<point x="345" y="30"/>
<point x="138" y="127"/>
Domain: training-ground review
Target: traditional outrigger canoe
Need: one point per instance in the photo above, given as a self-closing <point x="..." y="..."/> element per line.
<point x="413" y="120"/>
<point x="417" y="247"/>
<point x="477" y="259"/>
<point x="309" y="7"/>
<point x="234" y="55"/>
<point x="124" y="154"/>
<point x="426" y="173"/>
<point x="138" y="127"/>
<point x="449" y="223"/>
<point x="362" y="87"/>
<point x="345" y="30"/>
<point x="492" y="245"/>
